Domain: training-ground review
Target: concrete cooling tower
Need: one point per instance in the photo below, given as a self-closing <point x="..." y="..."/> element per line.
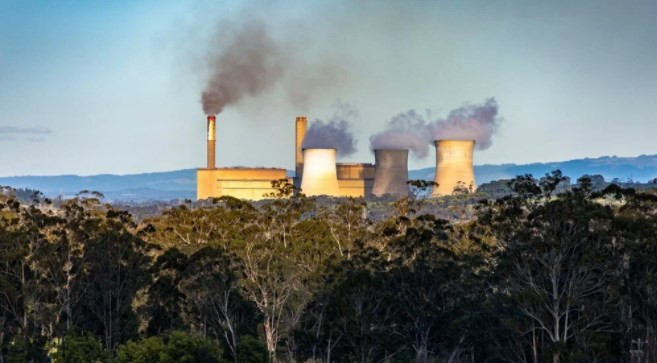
<point x="319" y="176"/>
<point x="391" y="172"/>
<point x="454" y="166"/>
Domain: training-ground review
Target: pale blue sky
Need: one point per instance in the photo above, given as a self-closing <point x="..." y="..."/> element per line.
<point x="118" y="83"/>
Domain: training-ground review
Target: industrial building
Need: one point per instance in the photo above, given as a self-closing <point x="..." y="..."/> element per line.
<point x="391" y="172"/>
<point x="454" y="166"/>
<point x="318" y="173"/>
<point x="244" y="183"/>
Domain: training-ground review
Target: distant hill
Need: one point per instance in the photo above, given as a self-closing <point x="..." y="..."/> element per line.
<point x="639" y="169"/>
<point x="178" y="184"/>
<point x="181" y="184"/>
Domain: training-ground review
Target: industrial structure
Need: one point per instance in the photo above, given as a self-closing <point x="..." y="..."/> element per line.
<point x="354" y="179"/>
<point x="454" y="166"/>
<point x="244" y="183"/>
<point x="320" y="176"/>
<point x="391" y="172"/>
<point x="317" y="172"/>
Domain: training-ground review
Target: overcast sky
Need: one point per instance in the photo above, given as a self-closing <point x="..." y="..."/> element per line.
<point x="90" y="87"/>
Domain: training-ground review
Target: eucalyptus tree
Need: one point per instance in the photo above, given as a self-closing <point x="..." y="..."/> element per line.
<point x="117" y="269"/>
<point x="215" y="305"/>
<point x="555" y="255"/>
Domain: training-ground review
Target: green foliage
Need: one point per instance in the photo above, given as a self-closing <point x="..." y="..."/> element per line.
<point x="251" y="350"/>
<point x="165" y="299"/>
<point x="74" y="349"/>
<point x="546" y="272"/>
<point x="282" y="189"/>
<point x="150" y="349"/>
<point x="175" y="347"/>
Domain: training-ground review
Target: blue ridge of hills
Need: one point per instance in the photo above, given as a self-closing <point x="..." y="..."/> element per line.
<point x="641" y="168"/>
<point x="181" y="184"/>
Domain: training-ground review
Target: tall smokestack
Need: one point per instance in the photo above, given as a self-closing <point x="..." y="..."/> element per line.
<point x="211" y="141"/>
<point x="320" y="175"/>
<point x="301" y="126"/>
<point x="391" y="172"/>
<point x="454" y="166"/>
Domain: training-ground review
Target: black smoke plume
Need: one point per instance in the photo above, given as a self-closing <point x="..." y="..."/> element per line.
<point x="250" y="62"/>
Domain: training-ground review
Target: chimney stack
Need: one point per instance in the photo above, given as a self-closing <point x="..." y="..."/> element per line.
<point x="390" y="172"/>
<point x="454" y="166"/>
<point x="320" y="175"/>
<point x="301" y="126"/>
<point x="211" y="141"/>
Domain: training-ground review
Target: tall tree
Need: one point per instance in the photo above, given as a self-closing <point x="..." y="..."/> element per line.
<point x="117" y="269"/>
<point x="210" y="284"/>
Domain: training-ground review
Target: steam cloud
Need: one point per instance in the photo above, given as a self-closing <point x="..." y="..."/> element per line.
<point x="250" y="63"/>
<point x="335" y="133"/>
<point x="411" y="130"/>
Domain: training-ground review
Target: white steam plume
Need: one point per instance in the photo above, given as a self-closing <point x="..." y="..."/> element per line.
<point x="413" y="131"/>
<point x="335" y="133"/>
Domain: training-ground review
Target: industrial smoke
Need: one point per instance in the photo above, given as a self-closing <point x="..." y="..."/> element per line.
<point x="405" y="131"/>
<point x="245" y="60"/>
<point x="250" y="62"/>
<point x="411" y="130"/>
<point x="335" y="133"/>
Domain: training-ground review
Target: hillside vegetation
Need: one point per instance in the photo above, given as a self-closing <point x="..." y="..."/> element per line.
<point x="542" y="273"/>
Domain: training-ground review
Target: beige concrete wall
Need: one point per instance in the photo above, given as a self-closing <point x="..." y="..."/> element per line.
<point x="244" y="183"/>
<point x="254" y="183"/>
<point x="250" y="173"/>
<point x="246" y="189"/>
<point x="355" y="187"/>
<point x="206" y="184"/>
<point x="355" y="171"/>
<point x="355" y="179"/>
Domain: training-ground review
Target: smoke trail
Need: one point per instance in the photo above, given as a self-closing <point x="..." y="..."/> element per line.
<point x="405" y="131"/>
<point x="416" y="132"/>
<point x="250" y="63"/>
<point x="470" y="122"/>
<point x="335" y="133"/>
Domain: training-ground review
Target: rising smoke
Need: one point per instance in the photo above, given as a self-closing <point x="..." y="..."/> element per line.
<point x="247" y="61"/>
<point x="413" y="131"/>
<point x="250" y="62"/>
<point x="335" y="133"/>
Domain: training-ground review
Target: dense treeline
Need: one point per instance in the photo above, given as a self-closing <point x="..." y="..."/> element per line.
<point x="535" y="276"/>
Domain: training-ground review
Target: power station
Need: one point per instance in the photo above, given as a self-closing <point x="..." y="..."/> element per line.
<point x="454" y="166"/>
<point x="317" y="171"/>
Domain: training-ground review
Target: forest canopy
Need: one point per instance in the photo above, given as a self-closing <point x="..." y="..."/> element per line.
<point x="542" y="273"/>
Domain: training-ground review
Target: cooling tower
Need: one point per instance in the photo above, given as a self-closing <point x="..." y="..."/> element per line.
<point x="301" y="126"/>
<point x="211" y="141"/>
<point x="319" y="175"/>
<point x="454" y="166"/>
<point x="391" y="172"/>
